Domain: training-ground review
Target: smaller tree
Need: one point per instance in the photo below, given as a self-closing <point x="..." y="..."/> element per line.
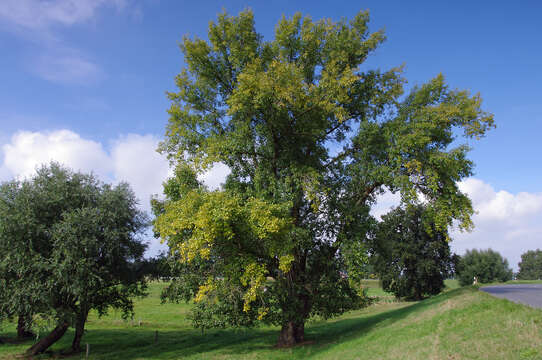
<point x="69" y="244"/>
<point x="411" y="256"/>
<point x="13" y="196"/>
<point x="530" y="267"/>
<point x="486" y="265"/>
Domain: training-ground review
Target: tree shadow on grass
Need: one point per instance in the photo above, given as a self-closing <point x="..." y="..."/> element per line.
<point x="139" y="343"/>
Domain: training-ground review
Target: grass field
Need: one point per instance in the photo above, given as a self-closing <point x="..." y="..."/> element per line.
<point x="461" y="323"/>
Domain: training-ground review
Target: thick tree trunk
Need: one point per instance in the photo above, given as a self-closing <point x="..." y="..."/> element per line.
<point x="293" y="331"/>
<point x="291" y="334"/>
<point x="79" y="330"/>
<point x="23" y="331"/>
<point x="49" y="340"/>
<point x="299" y="333"/>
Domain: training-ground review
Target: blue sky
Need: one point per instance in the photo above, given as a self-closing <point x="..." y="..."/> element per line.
<point x="89" y="77"/>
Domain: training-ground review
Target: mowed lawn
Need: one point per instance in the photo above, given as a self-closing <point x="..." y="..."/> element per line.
<point x="461" y="323"/>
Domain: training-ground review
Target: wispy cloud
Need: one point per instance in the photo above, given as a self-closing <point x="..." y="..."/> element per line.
<point x="39" y="14"/>
<point x="40" y="22"/>
<point x="67" y="69"/>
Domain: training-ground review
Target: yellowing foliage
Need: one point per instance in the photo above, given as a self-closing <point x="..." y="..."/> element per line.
<point x="254" y="277"/>
<point x="204" y="290"/>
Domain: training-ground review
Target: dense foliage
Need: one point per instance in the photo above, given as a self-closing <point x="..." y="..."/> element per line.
<point x="411" y="256"/>
<point x="311" y="136"/>
<point x="486" y="265"/>
<point x="68" y="244"/>
<point x="530" y="266"/>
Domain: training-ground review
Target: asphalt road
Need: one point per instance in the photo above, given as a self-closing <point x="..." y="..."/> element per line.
<point x="528" y="294"/>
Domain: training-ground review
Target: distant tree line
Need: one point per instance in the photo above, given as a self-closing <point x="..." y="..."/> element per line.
<point x="530" y="267"/>
<point x="157" y="268"/>
<point x="486" y="265"/>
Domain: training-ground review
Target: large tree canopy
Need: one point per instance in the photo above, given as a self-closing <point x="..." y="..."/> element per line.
<point x="68" y="244"/>
<point x="311" y="137"/>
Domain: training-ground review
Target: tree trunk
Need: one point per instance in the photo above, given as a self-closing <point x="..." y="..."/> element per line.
<point x="23" y="331"/>
<point x="79" y="330"/>
<point x="291" y="334"/>
<point x="299" y="333"/>
<point x="49" y="340"/>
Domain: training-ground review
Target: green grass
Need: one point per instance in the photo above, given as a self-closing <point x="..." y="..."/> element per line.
<point x="462" y="323"/>
<point x="375" y="290"/>
<point x="451" y="284"/>
<point x="512" y="282"/>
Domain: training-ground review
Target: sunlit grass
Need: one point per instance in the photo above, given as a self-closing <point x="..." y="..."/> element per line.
<point x="461" y="323"/>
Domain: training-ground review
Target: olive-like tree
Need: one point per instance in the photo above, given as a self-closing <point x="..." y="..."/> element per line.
<point x="311" y="136"/>
<point x="411" y="256"/>
<point x="13" y="200"/>
<point x="72" y="244"/>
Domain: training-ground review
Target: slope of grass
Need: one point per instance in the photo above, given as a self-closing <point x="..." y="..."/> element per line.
<point x="451" y="284"/>
<point x="459" y="324"/>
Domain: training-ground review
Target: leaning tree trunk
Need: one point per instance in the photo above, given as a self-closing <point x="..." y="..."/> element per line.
<point x="79" y="330"/>
<point x="49" y="340"/>
<point x="23" y="331"/>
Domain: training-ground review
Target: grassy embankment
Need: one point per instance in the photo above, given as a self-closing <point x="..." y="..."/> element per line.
<point x="461" y="323"/>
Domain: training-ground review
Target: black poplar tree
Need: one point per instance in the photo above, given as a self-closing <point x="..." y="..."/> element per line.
<point x="311" y="136"/>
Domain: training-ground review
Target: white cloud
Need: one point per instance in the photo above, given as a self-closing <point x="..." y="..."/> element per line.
<point x="39" y="14"/>
<point x="27" y="150"/>
<point x="132" y="158"/>
<point x="135" y="160"/>
<point x="384" y="202"/>
<point x="216" y="176"/>
<point x="501" y="205"/>
<point x="508" y="223"/>
<point x="505" y="222"/>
